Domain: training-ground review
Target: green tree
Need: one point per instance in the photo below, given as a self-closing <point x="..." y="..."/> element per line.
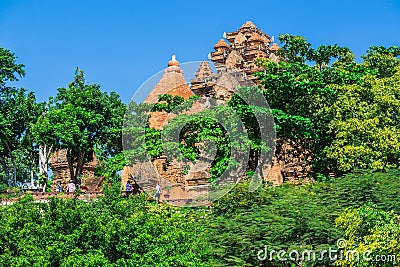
<point x="80" y="119"/>
<point x="365" y="124"/>
<point x="19" y="110"/>
<point x="294" y="49"/>
<point x="373" y="233"/>
<point x="297" y="93"/>
<point x="112" y="231"/>
<point x="383" y="60"/>
<point x="313" y="92"/>
<point x="9" y="69"/>
<point x="43" y="136"/>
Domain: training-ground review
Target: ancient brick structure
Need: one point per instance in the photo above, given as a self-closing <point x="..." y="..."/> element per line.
<point x="245" y="45"/>
<point x="59" y="166"/>
<point x="172" y="82"/>
<point x="233" y="58"/>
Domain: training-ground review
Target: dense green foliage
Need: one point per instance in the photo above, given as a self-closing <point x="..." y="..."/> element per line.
<point x="292" y="217"/>
<point x="373" y="233"/>
<point x="119" y="231"/>
<point x="332" y="98"/>
<point x="365" y="123"/>
<point x="9" y="69"/>
<point x="111" y="231"/>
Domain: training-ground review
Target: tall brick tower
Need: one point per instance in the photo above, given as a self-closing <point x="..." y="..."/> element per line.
<point x="172" y="82"/>
<point x="234" y="56"/>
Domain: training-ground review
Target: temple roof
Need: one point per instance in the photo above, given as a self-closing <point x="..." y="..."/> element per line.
<point x="234" y="59"/>
<point x="248" y="24"/>
<point x="240" y="38"/>
<point x="256" y="37"/>
<point x="266" y="38"/>
<point x="172" y="82"/>
<point x="173" y="61"/>
<point x="204" y="70"/>
<point x="221" y="43"/>
<point x="274" y="47"/>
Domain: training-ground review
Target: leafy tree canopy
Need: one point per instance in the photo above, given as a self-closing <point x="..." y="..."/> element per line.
<point x="9" y="69"/>
<point x="371" y="232"/>
<point x="82" y="118"/>
<point x="365" y="124"/>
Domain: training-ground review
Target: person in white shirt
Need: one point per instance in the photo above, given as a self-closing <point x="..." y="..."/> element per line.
<point x="158" y="193"/>
<point x="59" y="187"/>
<point x="71" y="187"/>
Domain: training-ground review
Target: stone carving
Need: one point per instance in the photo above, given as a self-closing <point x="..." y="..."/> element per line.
<point x="234" y="61"/>
<point x="240" y="40"/>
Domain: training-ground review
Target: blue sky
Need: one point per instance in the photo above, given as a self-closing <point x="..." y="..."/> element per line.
<point x="119" y="44"/>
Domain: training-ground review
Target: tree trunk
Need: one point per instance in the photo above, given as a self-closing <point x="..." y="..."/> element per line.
<point x="14" y="170"/>
<point x="6" y="171"/>
<point x="79" y="165"/>
<point x="44" y="154"/>
<point x="15" y="174"/>
<point x="13" y="164"/>
<point x="70" y="159"/>
<point x="75" y="163"/>
<point x="31" y="171"/>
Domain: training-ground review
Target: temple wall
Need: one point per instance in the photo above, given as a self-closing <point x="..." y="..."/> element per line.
<point x="59" y="167"/>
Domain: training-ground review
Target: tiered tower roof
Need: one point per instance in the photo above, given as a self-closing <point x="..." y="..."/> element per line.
<point x="248" y="24"/>
<point x="246" y="44"/>
<point x="233" y="55"/>
<point x="172" y="82"/>
<point x="274" y="47"/>
<point x="221" y="43"/>
<point x="204" y="71"/>
<point x="255" y="37"/>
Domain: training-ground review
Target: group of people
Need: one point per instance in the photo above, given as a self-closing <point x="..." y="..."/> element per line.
<point x="129" y="188"/>
<point x="33" y="186"/>
<point x="70" y="188"/>
<point x="38" y="187"/>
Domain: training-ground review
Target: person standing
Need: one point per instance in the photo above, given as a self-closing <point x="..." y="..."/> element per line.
<point x="25" y="186"/>
<point x="71" y="187"/>
<point x="59" y="187"/>
<point x="128" y="187"/>
<point x="158" y="193"/>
